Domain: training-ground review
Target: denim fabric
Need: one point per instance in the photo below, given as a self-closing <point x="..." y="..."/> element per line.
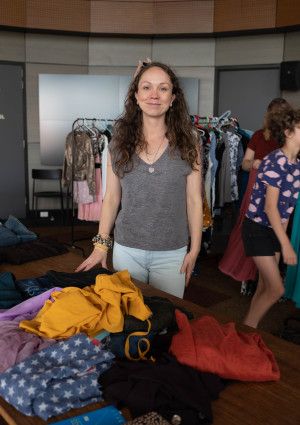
<point x="23" y="234"/>
<point x="160" y="269"/>
<point x="13" y="232"/>
<point x="33" y="286"/>
<point x="7" y="237"/>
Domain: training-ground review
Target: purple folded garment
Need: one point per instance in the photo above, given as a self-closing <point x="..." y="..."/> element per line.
<point x="16" y="344"/>
<point x="32" y="305"/>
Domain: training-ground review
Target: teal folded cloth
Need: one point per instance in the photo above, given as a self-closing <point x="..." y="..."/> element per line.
<point x="7" y="237"/>
<point x="9" y="294"/>
<point x="13" y="232"/>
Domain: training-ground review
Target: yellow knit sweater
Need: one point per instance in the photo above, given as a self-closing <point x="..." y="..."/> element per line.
<point x="94" y="308"/>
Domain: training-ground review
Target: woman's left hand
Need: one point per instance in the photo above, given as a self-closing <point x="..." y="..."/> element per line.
<point x="188" y="266"/>
<point x="256" y="163"/>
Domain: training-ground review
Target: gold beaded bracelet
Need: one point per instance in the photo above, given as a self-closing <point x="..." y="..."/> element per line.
<point x="101" y="247"/>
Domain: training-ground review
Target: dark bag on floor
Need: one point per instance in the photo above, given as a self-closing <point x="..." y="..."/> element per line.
<point x="291" y="330"/>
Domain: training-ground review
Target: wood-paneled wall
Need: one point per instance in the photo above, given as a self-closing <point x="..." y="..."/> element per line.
<point x="13" y="13"/>
<point x="288" y="13"/>
<point x="149" y="17"/>
<point x="67" y="15"/>
<point x="238" y="15"/>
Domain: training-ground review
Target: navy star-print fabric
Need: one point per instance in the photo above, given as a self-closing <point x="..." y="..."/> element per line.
<point x="56" y="379"/>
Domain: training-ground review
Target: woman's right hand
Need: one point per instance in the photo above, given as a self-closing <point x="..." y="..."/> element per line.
<point x="289" y="255"/>
<point x="96" y="257"/>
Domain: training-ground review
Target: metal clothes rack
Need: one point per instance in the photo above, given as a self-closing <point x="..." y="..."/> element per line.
<point x="77" y="123"/>
<point x="212" y="121"/>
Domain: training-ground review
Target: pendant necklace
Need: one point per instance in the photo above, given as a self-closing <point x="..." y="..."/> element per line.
<point x="151" y="168"/>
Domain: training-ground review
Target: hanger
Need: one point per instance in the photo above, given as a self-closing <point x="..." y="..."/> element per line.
<point x="84" y="126"/>
<point x="223" y="121"/>
<point x="225" y="116"/>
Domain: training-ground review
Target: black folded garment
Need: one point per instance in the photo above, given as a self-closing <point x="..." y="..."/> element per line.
<point x="37" y="285"/>
<point x="167" y="387"/>
<point x="80" y="279"/>
<point x="163" y="316"/>
<point x="30" y="251"/>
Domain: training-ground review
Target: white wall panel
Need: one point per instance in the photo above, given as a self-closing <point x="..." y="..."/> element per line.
<point x="249" y="50"/>
<point x="118" y="51"/>
<point x="32" y="90"/>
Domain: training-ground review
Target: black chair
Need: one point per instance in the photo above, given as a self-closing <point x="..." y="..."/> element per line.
<point x="48" y="174"/>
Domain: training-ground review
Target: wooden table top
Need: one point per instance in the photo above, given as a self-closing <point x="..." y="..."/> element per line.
<point x="241" y="403"/>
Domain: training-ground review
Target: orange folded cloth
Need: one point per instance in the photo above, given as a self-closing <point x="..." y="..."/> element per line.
<point x="209" y="346"/>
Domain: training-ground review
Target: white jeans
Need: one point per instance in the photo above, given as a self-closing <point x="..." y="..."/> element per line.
<point x="160" y="269"/>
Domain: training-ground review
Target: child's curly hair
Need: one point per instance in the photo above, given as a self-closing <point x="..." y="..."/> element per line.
<point x="280" y="121"/>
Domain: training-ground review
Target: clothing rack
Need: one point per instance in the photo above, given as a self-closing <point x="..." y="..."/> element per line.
<point x="212" y="121"/>
<point x="81" y="122"/>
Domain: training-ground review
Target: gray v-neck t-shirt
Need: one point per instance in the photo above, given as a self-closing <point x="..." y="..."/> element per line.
<point x="153" y="214"/>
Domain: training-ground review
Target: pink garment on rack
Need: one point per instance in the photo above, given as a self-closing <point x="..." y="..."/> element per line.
<point x="91" y="211"/>
<point x="234" y="261"/>
<point x="81" y="192"/>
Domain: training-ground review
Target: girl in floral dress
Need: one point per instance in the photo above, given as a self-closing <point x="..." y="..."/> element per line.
<point x="273" y="199"/>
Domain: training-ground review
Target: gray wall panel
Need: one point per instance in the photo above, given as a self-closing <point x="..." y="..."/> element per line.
<point x="185" y="52"/>
<point x="249" y="50"/>
<point x="57" y="49"/>
<point x="12" y="46"/>
<point x="118" y="51"/>
<point x="247" y="93"/>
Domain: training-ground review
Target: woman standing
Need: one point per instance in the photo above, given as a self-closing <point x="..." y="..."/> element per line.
<point x="153" y="194"/>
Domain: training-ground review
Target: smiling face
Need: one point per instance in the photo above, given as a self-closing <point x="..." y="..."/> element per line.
<point x="154" y="94"/>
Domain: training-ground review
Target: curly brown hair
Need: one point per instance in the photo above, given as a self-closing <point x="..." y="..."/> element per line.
<point x="276" y="105"/>
<point x="128" y="136"/>
<point x="280" y="121"/>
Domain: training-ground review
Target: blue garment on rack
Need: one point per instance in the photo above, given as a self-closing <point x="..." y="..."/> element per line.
<point x="292" y="280"/>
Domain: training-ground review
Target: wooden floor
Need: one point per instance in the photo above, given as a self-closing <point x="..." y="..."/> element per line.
<point x="240" y="403"/>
